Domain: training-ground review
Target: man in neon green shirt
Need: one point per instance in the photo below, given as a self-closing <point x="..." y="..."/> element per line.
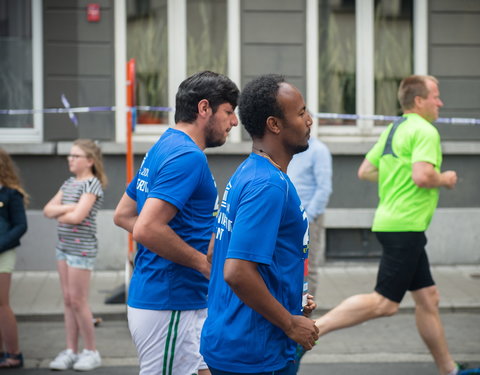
<point x="406" y="164"/>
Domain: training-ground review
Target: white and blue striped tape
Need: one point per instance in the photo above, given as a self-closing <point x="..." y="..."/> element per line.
<point x="322" y="115"/>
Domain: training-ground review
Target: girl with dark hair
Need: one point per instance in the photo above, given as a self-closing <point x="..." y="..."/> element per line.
<point x="13" y="225"/>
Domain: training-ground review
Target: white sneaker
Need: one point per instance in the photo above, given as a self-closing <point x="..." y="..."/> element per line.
<point x="88" y="360"/>
<point x="64" y="360"/>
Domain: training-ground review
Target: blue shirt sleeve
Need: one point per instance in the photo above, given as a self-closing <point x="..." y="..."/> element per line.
<point x="322" y="170"/>
<point x="178" y="178"/>
<point x="256" y="225"/>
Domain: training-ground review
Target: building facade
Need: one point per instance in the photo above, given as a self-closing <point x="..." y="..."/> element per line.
<point x="346" y="56"/>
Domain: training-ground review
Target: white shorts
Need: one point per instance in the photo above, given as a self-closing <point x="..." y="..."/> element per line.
<point x="167" y="342"/>
<point x="7" y="261"/>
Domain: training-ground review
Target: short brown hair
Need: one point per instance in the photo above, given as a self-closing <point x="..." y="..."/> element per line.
<point x="411" y="87"/>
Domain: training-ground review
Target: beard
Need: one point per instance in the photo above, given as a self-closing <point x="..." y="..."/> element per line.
<point x="213" y="138"/>
<point x="300" y="148"/>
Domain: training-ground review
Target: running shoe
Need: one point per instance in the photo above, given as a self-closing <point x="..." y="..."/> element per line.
<point x="88" y="360"/>
<point x="64" y="360"/>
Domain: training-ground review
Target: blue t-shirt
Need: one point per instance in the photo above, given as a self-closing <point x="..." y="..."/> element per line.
<point x="260" y="220"/>
<point x="176" y="171"/>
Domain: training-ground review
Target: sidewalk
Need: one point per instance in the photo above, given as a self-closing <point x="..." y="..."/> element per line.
<point x="36" y="301"/>
<point x="37" y="296"/>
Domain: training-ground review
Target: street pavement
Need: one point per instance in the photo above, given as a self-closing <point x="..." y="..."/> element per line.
<point x="382" y="346"/>
<point x="387" y="345"/>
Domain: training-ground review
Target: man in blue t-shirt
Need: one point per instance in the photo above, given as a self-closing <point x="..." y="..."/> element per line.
<point x="170" y="208"/>
<point x="255" y="317"/>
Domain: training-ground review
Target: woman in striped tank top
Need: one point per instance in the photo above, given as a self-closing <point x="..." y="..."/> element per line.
<point x="75" y="208"/>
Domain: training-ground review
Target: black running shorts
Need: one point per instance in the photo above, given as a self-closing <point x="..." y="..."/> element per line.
<point x="404" y="264"/>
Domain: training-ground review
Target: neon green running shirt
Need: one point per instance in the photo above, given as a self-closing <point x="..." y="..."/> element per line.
<point x="403" y="206"/>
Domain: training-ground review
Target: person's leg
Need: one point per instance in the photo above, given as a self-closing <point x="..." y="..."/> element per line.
<point x="398" y="267"/>
<point x="8" y="323"/>
<point x="426" y="297"/>
<point x="316" y="254"/>
<point x="355" y="310"/>
<point x="430" y="327"/>
<point x="71" y="327"/>
<point x="149" y="329"/>
<point x="187" y="358"/>
<point x="78" y="290"/>
<point x="201" y="316"/>
<point x="168" y="340"/>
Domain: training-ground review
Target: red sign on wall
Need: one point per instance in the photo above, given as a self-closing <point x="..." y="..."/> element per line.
<point x="93" y="12"/>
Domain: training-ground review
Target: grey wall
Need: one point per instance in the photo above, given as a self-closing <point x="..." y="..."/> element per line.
<point x="273" y="39"/>
<point x="350" y="192"/>
<point x="78" y="62"/>
<point x="348" y="218"/>
<point x="44" y="174"/>
<point x="454" y="58"/>
<point x="37" y="250"/>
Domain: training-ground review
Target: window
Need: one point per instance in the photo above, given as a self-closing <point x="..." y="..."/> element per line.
<point x="365" y="48"/>
<point x="206" y="36"/>
<point x="147" y="42"/>
<point x="148" y="30"/>
<point x="16" y="81"/>
<point x="20" y="79"/>
<point x="336" y="60"/>
<point x="393" y="53"/>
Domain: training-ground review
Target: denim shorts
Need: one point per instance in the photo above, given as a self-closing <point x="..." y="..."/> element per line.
<point x="75" y="261"/>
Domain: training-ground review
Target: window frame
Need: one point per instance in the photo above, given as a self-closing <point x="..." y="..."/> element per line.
<point x="35" y="134"/>
<point x="365" y="97"/>
<point x="177" y="59"/>
<point x="177" y="63"/>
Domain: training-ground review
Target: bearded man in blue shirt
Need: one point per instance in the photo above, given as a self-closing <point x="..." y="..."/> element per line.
<point x="170" y="208"/>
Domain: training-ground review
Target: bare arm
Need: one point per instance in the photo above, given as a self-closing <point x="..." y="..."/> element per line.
<point x="126" y="213"/>
<point x="368" y="171"/>
<point x="54" y="208"/>
<point x="152" y="230"/>
<point x="80" y="210"/>
<point x="424" y="175"/>
<point x="210" y="248"/>
<point x="247" y="283"/>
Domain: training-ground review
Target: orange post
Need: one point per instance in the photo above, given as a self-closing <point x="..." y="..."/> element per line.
<point x="130" y="124"/>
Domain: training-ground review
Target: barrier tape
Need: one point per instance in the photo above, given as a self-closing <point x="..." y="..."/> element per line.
<point x="442" y="120"/>
<point x="66" y="104"/>
<point x="322" y="115"/>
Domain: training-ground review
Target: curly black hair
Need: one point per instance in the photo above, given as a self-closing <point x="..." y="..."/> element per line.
<point x="258" y="101"/>
<point x="214" y="87"/>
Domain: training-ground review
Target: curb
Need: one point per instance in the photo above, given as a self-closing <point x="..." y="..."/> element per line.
<point x="58" y="317"/>
<point x="321" y="310"/>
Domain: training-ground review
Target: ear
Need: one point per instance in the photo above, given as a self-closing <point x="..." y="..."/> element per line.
<point x="90" y="162"/>
<point x="418" y="100"/>
<point x="204" y="108"/>
<point x="273" y="125"/>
